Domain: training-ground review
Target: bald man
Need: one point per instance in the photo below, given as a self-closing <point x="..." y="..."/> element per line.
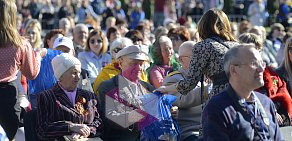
<point x="189" y="106"/>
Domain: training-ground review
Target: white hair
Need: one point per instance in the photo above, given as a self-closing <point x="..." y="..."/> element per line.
<point x="187" y="45"/>
<point x="164" y="39"/>
<point x="121" y="43"/>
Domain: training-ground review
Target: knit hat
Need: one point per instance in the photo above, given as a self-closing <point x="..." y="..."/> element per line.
<point x="63" y="41"/>
<point x="62" y="63"/>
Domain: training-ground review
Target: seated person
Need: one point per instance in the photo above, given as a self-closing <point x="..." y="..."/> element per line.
<point x="119" y="96"/>
<point x="164" y="62"/>
<point x="66" y="110"/>
<point x="190" y="105"/>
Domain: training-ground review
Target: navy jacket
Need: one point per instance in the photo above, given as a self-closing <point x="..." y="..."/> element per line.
<point x="223" y="120"/>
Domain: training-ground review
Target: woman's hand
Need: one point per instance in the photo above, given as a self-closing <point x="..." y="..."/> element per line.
<point x="81" y="129"/>
<point x="170" y="89"/>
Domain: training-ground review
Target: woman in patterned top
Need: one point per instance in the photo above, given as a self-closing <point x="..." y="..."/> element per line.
<point x="207" y="56"/>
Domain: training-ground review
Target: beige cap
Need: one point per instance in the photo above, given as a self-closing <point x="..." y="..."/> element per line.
<point x="138" y="52"/>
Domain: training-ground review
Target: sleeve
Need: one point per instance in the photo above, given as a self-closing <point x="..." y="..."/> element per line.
<point x="213" y="128"/>
<point x="85" y="65"/>
<point x="96" y="127"/>
<point x="156" y="77"/>
<point x="46" y="128"/>
<point x="30" y="61"/>
<point x="199" y="59"/>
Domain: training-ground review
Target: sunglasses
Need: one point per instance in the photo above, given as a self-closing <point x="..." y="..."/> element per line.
<point x="92" y="41"/>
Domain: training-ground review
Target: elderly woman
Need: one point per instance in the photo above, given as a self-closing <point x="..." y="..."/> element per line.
<point x="164" y="63"/>
<point x="94" y="58"/>
<point x="33" y="32"/>
<point x="66" y="110"/>
<point x="207" y="55"/>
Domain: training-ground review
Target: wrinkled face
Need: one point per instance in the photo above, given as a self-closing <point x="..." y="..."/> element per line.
<point x="184" y="59"/>
<point x="51" y="41"/>
<point x="131" y="65"/>
<point x="69" y="79"/>
<point x="80" y="35"/>
<point x="95" y="44"/>
<point x="32" y="35"/>
<point x="166" y="51"/>
<point x="250" y="69"/>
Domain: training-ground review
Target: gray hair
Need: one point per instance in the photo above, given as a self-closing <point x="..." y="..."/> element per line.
<point x="80" y="26"/>
<point x="121" y="43"/>
<point x="232" y="56"/>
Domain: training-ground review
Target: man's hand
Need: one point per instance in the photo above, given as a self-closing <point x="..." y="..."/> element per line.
<point x="81" y="129"/>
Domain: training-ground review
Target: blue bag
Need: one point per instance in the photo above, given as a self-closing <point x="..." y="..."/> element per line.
<point x="164" y="127"/>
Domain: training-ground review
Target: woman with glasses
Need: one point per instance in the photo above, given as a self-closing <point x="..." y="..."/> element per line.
<point x="95" y="56"/>
<point x="275" y="88"/>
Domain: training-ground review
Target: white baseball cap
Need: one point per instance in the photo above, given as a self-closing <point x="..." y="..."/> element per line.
<point x="65" y="41"/>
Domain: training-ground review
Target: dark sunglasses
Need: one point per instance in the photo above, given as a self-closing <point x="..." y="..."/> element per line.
<point x="92" y="41"/>
<point x="116" y="50"/>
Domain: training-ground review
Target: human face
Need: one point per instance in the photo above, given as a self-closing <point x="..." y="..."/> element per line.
<point x="32" y="35"/>
<point x="51" y="41"/>
<point x="250" y="70"/>
<point x="69" y="79"/>
<point x="131" y="65"/>
<point x="95" y="44"/>
<point x="166" y="52"/>
<point x="114" y="36"/>
<point x="184" y="59"/>
<point x="80" y="35"/>
<point x="65" y="50"/>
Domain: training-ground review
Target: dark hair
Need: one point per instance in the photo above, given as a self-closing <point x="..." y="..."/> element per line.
<point x="110" y="31"/>
<point x="51" y="34"/>
<point x="215" y="23"/>
<point x="134" y="35"/>
<point x="180" y="32"/>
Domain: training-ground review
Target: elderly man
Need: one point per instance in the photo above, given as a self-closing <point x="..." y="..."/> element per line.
<point x="189" y="106"/>
<point x="80" y="34"/>
<point x="65" y="110"/>
<point x="239" y="113"/>
<point x="119" y="96"/>
<point x="113" y="69"/>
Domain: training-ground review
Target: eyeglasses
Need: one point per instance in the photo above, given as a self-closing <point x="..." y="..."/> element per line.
<point x="92" y="41"/>
<point x="116" y="50"/>
<point x="254" y="64"/>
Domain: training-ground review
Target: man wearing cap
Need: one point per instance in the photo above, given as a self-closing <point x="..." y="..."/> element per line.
<point x="66" y="110"/>
<point x="119" y="96"/>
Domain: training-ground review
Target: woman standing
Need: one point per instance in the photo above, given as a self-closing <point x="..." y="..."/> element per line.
<point x="207" y="56"/>
<point x="94" y="58"/>
<point x="15" y="54"/>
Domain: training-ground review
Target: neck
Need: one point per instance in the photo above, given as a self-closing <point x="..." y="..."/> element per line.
<point x="242" y="92"/>
<point x="131" y="77"/>
<point x="65" y="88"/>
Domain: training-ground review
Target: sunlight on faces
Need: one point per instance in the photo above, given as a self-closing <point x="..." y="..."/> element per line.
<point x="249" y="69"/>
<point x="166" y="51"/>
<point x="185" y="52"/>
<point x="32" y="34"/>
<point x="80" y="35"/>
<point x="69" y="79"/>
<point x="65" y="49"/>
<point x="135" y="67"/>
<point x="95" y="44"/>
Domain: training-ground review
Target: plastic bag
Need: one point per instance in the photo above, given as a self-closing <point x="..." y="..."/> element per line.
<point x="161" y="126"/>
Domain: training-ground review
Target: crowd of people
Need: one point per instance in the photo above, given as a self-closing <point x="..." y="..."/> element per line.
<point x="77" y="69"/>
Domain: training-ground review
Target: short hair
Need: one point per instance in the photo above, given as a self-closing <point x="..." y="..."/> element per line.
<point x="215" y="23"/>
<point x="186" y="44"/>
<point x="134" y="35"/>
<point x="121" y="43"/>
<point x="110" y="31"/>
<point x="277" y="26"/>
<point x="232" y="56"/>
<point x="251" y="38"/>
<point x="50" y="34"/>
<point x="103" y="38"/>
<point x="160" y="31"/>
<point x="80" y="25"/>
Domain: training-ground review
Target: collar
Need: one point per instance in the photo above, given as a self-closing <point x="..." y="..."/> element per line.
<point x="67" y="92"/>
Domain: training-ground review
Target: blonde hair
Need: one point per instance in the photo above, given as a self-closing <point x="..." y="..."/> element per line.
<point x="215" y="23"/>
<point x="286" y="62"/>
<point x="251" y="38"/>
<point x="33" y="23"/>
<point x="8" y="26"/>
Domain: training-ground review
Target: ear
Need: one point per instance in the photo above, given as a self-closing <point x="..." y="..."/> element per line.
<point x="233" y="70"/>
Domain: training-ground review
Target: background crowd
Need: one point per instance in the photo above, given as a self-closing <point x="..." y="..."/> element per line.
<point x="78" y="49"/>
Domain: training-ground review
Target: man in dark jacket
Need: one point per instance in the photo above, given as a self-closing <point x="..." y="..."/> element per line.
<point x="239" y="113"/>
<point x="119" y="97"/>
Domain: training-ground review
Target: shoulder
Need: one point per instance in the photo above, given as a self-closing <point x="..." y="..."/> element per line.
<point x="83" y="54"/>
<point x="108" y="84"/>
<point x="174" y="73"/>
<point x="263" y="98"/>
<point x="86" y="93"/>
<point x="172" y="77"/>
<point x="219" y="102"/>
<point x="146" y="85"/>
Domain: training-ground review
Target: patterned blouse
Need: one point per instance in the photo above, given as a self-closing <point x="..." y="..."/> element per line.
<point x="206" y="59"/>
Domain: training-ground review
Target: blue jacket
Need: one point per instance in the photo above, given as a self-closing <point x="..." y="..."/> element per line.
<point x="223" y="118"/>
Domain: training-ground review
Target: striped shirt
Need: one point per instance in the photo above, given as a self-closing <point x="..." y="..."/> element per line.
<point x="13" y="59"/>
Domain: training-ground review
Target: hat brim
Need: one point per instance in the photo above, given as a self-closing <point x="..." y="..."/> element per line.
<point x="138" y="56"/>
